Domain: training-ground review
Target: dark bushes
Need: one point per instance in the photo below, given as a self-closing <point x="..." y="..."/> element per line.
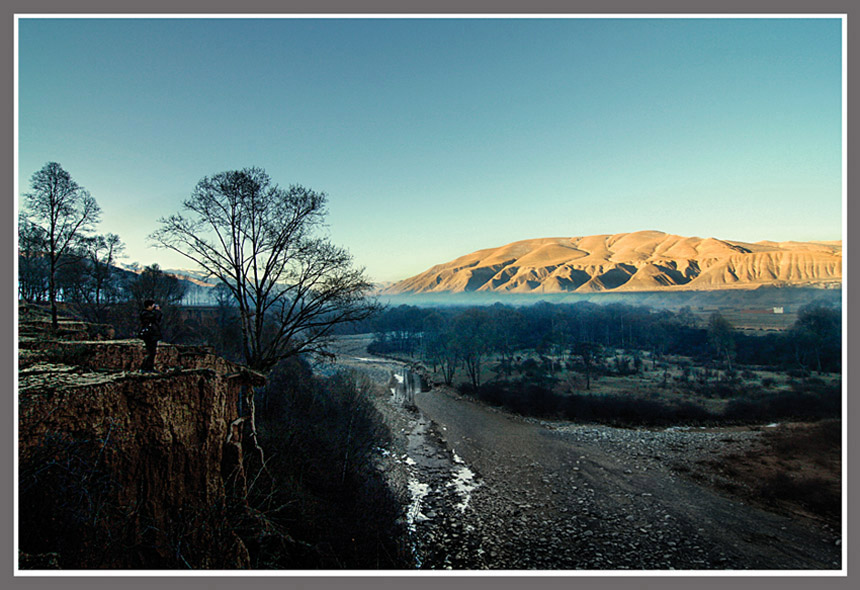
<point x="66" y="504"/>
<point x="804" y="403"/>
<point x="624" y="410"/>
<point x="809" y="402"/>
<point x="321" y="437"/>
<point x="720" y="389"/>
<point x="69" y="507"/>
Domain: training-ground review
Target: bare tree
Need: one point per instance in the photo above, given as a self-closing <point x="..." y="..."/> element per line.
<point x="291" y="287"/>
<point x="818" y="330"/>
<point x="168" y="291"/>
<point x="65" y="211"/>
<point x="472" y="341"/>
<point x="721" y="338"/>
<point x="32" y="266"/>
<point x="99" y="287"/>
<point x="590" y="352"/>
<point x="445" y="352"/>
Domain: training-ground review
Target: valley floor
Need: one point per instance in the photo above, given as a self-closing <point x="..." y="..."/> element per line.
<point x="489" y="490"/>
<point x="591" y="497"/>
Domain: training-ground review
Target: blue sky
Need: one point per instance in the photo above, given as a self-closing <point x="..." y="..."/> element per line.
<point x="437" y="137"/>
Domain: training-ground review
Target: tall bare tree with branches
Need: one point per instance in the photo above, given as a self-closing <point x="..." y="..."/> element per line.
<point x="66" y="211"/>
<point x="260" y="240"/>
<point x="100" y="289"/>
<point x="291" y="287"/>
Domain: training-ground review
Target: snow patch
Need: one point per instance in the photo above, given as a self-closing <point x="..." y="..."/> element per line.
<point x="463" y="484"/>
<point x="418" y="491"/>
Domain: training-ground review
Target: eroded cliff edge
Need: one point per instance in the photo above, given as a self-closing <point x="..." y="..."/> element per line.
<point x="121" y="469"/>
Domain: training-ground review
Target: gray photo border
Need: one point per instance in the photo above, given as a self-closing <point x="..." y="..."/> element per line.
<point x="7" y="327"/>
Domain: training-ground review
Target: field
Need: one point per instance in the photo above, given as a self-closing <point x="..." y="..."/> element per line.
<point x="703" y="393"/>
<point x="750" y="320"/>
<point x="794" y="467"/>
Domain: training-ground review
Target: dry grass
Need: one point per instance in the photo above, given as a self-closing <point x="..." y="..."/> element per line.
<point x="670" y="380"/>
<point x="795" y="468"/>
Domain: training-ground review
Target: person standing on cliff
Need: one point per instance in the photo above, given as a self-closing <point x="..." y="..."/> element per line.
<point x="150" y="332"/>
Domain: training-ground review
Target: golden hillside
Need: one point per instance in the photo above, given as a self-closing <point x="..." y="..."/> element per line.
<point x="638" y="261"/>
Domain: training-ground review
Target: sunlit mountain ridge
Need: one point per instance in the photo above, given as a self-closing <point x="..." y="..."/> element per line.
<point x="638" y="261"/>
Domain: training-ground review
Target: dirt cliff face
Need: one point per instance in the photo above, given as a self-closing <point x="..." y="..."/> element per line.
<point x="151" y="462"/>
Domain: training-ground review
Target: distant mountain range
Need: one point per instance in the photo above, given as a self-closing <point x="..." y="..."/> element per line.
<point x="196" y="277"/>
<point x="632" y="262"/>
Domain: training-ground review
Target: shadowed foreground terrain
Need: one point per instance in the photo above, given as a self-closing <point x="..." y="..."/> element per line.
<point x="122" y="469"/>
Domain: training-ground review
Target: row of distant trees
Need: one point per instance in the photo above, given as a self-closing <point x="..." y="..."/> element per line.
<point x="468" y="338"/>
<point x="288" y="287"/>
<point x="87" y="284"/>
<point x="64" y="263"/>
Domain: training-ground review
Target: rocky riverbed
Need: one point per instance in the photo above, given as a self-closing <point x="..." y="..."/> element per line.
<point x="487" y="490"/>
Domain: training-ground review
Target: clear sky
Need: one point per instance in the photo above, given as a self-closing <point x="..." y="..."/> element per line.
<point x="437" y="137"/>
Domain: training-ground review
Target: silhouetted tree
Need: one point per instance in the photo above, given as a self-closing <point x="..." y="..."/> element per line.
<point x="721" y="338"/>
<point x="448" y="355"/>
<point x="99" y="287"/>
<point x="590" y="353"/>
<point x="290" y="286"/>
<point x="472" y="341"/>
<point x="65" y="211"/>
<point x="433" y="326"/>
<point x="153" y="284"/>
<point x="505" y="327"/>
<point x="70" y="280"/>
<point x="818" y="328"/>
